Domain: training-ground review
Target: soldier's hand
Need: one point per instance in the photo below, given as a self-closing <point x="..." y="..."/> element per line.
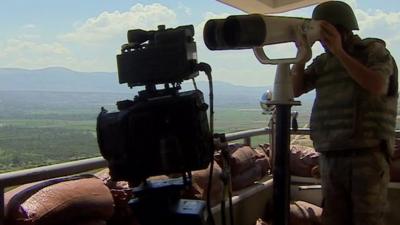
<point x="330" y="38"/>
<point x="301" y="44"/>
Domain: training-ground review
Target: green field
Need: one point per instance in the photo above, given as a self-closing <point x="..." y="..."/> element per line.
<point x="26" y="143"/>
<point x="42" y="128"/>
<point x="30" y="143"/>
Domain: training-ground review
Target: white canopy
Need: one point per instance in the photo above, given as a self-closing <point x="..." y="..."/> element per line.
<point x="269" y="6"/>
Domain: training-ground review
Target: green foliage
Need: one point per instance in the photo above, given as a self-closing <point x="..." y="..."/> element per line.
<point x="24" y="147"/>
<point x="39" y="128"/>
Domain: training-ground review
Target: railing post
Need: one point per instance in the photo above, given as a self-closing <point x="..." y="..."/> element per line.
<point x="281" y="170"/>
<point x="247" y="141"/>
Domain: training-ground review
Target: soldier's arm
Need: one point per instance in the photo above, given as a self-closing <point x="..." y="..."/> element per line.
<point x="368" y="78"/>
<point x="300" y="76"/>
<point x="298" y="79"/>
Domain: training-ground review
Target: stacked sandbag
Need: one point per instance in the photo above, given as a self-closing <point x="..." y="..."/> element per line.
<point x="122" y="194"/>
<point x="301" y="213"/>
<point x="104" y="175"/>
<point x="303" y="161"/>
<point x="200" y="180"/>
<point x="247" y="166"/>
<point x="71" y="200"/>
<point x="304" y="213"/>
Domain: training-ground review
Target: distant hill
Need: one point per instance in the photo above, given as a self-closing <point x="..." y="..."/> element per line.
<point x="65" y="80"/>
<point x="58" y="79"/>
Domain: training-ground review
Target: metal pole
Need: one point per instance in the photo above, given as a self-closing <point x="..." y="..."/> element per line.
<point x="281" y="173"/>
<point x="247" y="141"/>
<point x="272" y="139"/>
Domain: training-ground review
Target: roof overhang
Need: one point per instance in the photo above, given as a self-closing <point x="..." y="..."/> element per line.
<point x="269" y="6"/>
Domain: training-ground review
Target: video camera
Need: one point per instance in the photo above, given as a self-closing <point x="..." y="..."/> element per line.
<point x="161" y="131"/>
<point x="158" y="57"/>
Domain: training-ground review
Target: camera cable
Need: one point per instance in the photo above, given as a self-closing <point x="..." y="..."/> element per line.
<point x="226" y="178"/>
<point x="206" y="68"/>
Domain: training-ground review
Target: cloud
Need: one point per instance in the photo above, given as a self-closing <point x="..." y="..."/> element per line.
<point x="185" y="9"/>
<point x="383" y="25"/>
<point x="29" y="26"/>
<point x="107" y="31"/>
<point x="33" y="55"/>
<point x="28" y="32"/>
<point x="200" y="26"/>
<point x="108" y="25"/>
<point x="23" y="47"/>
<point x="352" y="3"/>
<point x="28" y="54"/>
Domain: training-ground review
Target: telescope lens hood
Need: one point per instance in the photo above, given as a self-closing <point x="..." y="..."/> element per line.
<point x="235" y="32"/>
<point x="245" y="31"/>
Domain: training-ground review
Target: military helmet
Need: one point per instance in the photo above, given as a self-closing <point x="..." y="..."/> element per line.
<point x="336" y="13"/>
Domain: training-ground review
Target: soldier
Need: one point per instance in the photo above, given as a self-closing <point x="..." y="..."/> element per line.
<point x="353" y="117"/>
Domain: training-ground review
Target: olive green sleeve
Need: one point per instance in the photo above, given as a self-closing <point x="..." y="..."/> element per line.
<point x="380" y="60"/>
<point x="311" y="73"/>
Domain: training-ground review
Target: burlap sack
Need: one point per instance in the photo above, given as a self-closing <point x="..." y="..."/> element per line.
<point x="246" y="178"/>
<point x="260" y="167"/>
<point x="60" y="201"/>
<point x="200" y="184"/>
<point x="304" y="213"/>
<point x="301" y="213"/>
<point x="242" y="159"/>
<point x="104" y="175"/>
<point x="302" y="160"/>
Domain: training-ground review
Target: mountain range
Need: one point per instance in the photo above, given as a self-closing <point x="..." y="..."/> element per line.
<point x="61" y="79"/>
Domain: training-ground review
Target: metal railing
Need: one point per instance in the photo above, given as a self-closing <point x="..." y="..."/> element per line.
<point x="64" y="169"/>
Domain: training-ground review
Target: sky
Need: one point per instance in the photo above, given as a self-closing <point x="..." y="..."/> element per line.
<point x="87" y="35"/>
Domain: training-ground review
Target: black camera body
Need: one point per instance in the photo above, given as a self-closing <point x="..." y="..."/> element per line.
<point x="156" y="135"/>
<point x="158" y="57"/>
<point x="160" y="131"/>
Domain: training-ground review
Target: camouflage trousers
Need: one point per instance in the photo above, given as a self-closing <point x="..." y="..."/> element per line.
<point x="354" y="188"/>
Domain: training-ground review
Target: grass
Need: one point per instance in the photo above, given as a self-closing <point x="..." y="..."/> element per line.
<point x="43" y="123"/>
<point x="31" y="142"/>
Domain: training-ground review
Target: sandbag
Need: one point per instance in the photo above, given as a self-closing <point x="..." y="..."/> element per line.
<point x="301" y="213"/>
<point x="200" y="184"/>
<point x="91" y="222"/>
<point x="104" y="175"/>
<point x="259" y="168"/>
<point x="242" y="159"/>
<point x="304" y="213"/>
<point x="264" y="161"/>
<point x="247" y="177"/>
<point x="302" y="160"/>
<point x="60" y="201"/>
<point x="122" y="193"/>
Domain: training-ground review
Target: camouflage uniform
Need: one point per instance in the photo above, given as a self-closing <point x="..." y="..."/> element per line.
<point x="354" y="131"/>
